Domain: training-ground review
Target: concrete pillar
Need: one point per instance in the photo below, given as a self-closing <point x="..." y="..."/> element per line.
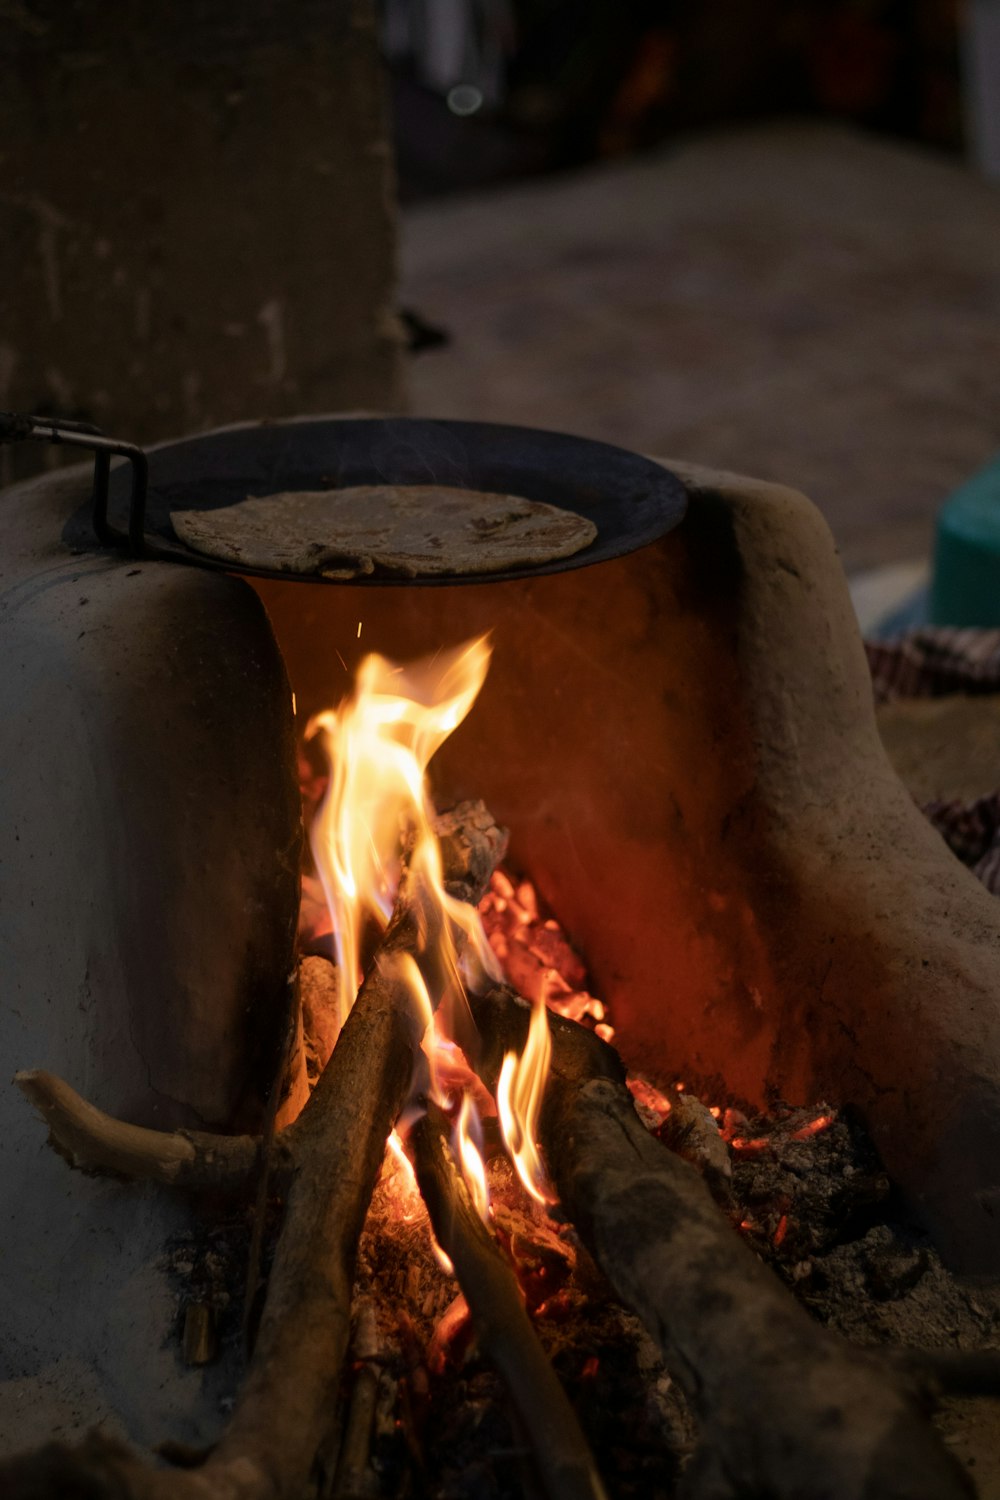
<point x="195" y="214"/>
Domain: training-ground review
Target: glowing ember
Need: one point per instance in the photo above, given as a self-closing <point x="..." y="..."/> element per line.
<point x="451" y="1338"/>
<point x="370" y="804"/>
<point x="822" y="1122"/>
<point x="652" y="1101"/>
<point x="537" y="958"/>
<point x="754" y="1147"/>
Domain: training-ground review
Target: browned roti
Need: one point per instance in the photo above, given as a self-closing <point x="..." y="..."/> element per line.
<point x="412" y="531"/>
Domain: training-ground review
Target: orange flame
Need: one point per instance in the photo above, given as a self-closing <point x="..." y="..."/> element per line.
<point x="406" y="1190"/>
<point x="473" y="1168"/>
<point x="519" y="1099"/>
<point x="378" y="744"/>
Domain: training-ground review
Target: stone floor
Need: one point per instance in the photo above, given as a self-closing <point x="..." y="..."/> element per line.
<point x="801" y="302"/>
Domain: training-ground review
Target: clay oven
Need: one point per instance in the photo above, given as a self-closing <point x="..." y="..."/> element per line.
<point x="680" y="739"/>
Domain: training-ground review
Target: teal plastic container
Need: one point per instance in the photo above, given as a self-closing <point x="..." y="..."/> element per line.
<point x="965" y="589"/>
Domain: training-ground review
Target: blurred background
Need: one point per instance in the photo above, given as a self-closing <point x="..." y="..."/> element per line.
<point x="765" y="238"/>
<point x="758" y="236"/>
<point x="487" y="90"/>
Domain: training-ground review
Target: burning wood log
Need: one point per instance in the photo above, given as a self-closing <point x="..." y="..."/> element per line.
<point x="204" y="1161"/>
<point x="559" y="1447"/>
<point x="787" y="1409"/>
<point x="335" y="1150"/>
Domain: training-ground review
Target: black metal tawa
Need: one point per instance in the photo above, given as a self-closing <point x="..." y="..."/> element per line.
<point x="630" y="500"/>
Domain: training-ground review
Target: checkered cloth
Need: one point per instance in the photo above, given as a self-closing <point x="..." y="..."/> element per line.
<point x="928" y="663"/>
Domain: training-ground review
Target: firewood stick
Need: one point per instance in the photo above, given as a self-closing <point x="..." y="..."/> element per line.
<point x="353" y="1476"/>
<point x="471" y="845"/>
<point x="787" y="1409"/>
<point x="564" y="1461"/>
<point x="97" y="1142"/>
<point x="337" y="1144"/>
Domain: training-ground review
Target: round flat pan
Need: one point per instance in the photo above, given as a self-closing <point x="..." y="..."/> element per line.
<point x="630" y="500"/>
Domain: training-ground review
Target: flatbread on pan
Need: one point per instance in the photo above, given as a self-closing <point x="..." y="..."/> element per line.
<point x="410" y="531"/>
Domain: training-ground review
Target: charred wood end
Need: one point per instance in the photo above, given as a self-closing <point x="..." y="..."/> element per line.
<point x="691" y="1131"/>
<point x="578" y="1054"/>
<point x="472" y="845"/>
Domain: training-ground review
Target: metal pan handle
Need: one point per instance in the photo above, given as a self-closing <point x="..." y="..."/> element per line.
<point x="16" y="427"/>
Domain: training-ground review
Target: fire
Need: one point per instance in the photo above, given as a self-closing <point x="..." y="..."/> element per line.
<point x="378" y="745"/>
<point x="376" y="812"/>
<point x="473" y="1167"/>
<point x="407" y="1191"/>
<point x="519" y="1098"/>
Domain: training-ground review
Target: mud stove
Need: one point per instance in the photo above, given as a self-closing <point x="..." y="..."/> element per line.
<point x="677" y="730"/>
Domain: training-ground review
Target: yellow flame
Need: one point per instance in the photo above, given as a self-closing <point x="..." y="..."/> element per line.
<point x="406" y="969"/>
<point x="473" y="1169"/>
<point x="407" y="1192"/>
<point x="442" y="1257"/>
<point x="519" y="1098"/>
<point x="378" y="744"/>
